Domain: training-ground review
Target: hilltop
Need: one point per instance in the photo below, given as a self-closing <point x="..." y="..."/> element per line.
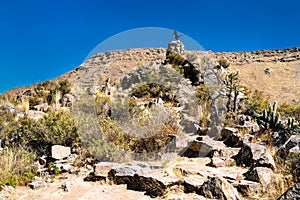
<point x="281" y="84"/>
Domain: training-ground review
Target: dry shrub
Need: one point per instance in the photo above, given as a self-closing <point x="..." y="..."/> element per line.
<point x="16" y="167"/>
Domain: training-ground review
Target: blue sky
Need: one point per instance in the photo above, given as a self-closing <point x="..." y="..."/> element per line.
<point x="41" y="40"/>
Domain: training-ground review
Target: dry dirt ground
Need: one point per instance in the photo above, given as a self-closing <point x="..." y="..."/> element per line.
<point x="81" y="190"/>
<point x="282" y="85"/>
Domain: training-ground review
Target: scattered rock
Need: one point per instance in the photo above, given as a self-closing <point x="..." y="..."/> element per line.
<point x="262" y="175"/>
<point x="218" y="188"/>
<point x="66" y="186"/>
<point x="203" y="146"/>
<point x="248" y="187"/>
<point x="60" y="152"/>
<point x="67" y="100"/>
<point x="7" y="108"/>
<point x="291" y="193"/>
<point x="254" y="155"/>
<point x="231" y="137"/>
<point x="285" y="150"/>
<point x="221" y="162"/>
<point x="36" y="115"/>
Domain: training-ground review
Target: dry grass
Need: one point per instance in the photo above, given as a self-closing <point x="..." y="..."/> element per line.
<point x="282" y="85"/>
<point x="15" y="167"/>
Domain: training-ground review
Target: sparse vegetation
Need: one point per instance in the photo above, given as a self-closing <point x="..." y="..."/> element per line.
<point x="223" y="62"/>
<point x="37" y="136"/>
<point x="16" y="167"/>
<point x="150" y="90"/>
<point x="257" y="102"/>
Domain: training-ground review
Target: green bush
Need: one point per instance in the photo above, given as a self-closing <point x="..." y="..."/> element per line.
<point x="151" y="90"/>
<point x="290" y="110"/>
<point x="204" y="99"/>
<point x="257" y="102"/>
<point x="177" y="61"/>
<point x="37" y="136"/>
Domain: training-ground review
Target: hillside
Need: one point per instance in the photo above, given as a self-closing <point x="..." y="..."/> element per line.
<point x="167" y="123"/>
<point x="282" y="84"/>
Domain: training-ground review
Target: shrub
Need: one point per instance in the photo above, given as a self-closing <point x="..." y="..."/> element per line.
<point x="150" y="90"/>
<point x="37" y="136"/>
<point x="290" y="110"/>
<point x="203" y="98"/>
<point x="257" y="102"/>
<point x="177" y="61"/>
<point x="16" y="167"/>
<point x="64" y="86"/>
<point x="293" y="163"/>
<point x="223" y="62"/>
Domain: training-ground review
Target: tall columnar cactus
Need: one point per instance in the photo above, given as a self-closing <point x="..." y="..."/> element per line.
<point x="271" y="116"/>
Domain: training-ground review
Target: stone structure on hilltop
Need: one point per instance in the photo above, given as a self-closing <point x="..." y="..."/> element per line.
<point x="176" y="46"/>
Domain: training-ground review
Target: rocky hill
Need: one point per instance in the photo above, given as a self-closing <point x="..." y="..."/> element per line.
<point x="167" y="123"/>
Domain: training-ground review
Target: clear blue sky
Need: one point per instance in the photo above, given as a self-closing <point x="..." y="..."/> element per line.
<point x="41" y="40"/>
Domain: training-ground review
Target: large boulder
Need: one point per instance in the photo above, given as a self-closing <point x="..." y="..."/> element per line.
<point x="36" y="115"/>
<point x="254" y="155"/>
<point x="292" y="145"/>
<point x="203" y="146"/>
<point x="67" y="100"/>
<point x="60" y="152"/>
<point x="153" y="182"/>
<point x="262" y="175"/>
<point x="231" y="137"/>
<point x="291" y="193"/>
<point x="248" y="187"/>
<point x="218" y="188"/>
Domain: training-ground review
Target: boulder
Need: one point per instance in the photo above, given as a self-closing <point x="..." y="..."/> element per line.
<point x="248" y="187"/>
<point x="7" y="108"/>
<point x="226" y="152"/>
<point x="67" y="100"/>
<point x="218" y="188"/>
<point x="231" y="137"/>
<point x="291" y="193"/>
<point x="290" y="146"/>
<point x="60" y="152"/>
<point x="203" y="146"/>
<point x="221" y="162"/>
<point x="262" y="175"/>
<point x="254" y="155"/>
<point x="153" y="182"/>
<point x="192" y="184"/>
<point x="36" y="115"/>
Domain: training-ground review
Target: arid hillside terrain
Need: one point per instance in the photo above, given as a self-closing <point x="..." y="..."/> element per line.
<point x="275" y="72"/>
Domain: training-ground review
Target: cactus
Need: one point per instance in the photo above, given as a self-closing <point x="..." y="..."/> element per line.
<point x="271" y="116"/>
